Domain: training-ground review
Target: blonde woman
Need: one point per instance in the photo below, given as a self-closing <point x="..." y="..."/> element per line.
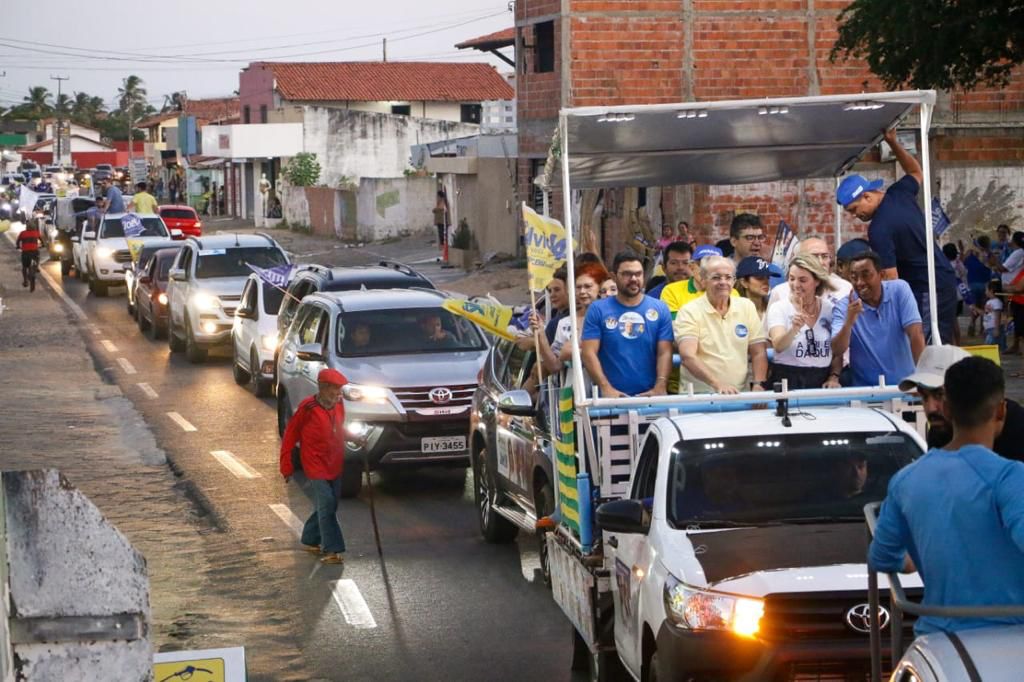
<point x="800" y="328"/>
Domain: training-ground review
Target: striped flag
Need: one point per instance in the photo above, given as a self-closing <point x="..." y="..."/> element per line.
<point x="276" y="276"/>
<point x="565" y="461"/>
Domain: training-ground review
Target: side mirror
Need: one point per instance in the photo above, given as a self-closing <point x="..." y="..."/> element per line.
<point x="516" y="403"/>
<point x="244" y="313"/>
<point x="88" y="234"/>
<point x="177" y="274"/>
<point x="310" y="352"/>
<point x="623" y="516"/>
<point x="145" y="279"/>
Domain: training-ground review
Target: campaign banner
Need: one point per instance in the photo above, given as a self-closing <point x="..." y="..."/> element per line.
<point x="135" y="248"/>
<point x="275" y="277"/>
<point x="546" y="247"/>
<point x="940" y="221"/>
<point x="492" y="317"/>
<point x="132" y="225"/>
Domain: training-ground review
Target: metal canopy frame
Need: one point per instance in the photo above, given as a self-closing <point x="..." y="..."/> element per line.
<point x="785" y="138"/>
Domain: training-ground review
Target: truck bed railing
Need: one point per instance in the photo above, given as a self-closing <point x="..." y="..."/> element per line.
<point x="901" y="604"/>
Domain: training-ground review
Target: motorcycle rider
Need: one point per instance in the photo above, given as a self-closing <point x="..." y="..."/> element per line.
<point x="28" y="242"/>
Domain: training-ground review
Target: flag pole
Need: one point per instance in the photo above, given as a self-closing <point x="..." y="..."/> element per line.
<point x="536" y="341"/>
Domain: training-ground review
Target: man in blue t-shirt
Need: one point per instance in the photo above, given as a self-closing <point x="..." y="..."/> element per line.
<point x="957" y="514"/>
<point x="879" y="323"/>
<point x="897" y="235"/>
<point x="113" y="201"/>
<point x="627" y="340"/>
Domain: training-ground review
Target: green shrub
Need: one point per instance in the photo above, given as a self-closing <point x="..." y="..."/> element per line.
<point x="303" y="170"/>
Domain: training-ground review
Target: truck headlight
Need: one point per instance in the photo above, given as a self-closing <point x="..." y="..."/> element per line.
<point x="269" y="342"/>
<point x="104" y="252"/>
<point x="162" y="298"/>
<point x="58" y="248"/>
<point x="364" y="393"/>
<point x="205" y="302"/>
<point x="695" y="609"/>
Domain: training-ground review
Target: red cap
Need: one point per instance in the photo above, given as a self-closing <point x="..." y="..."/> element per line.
<point x="331" y="376"/>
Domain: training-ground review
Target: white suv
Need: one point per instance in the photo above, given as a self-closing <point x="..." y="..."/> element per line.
<point x="254" y="335"/>
<point x="206" y="284"/>
<point x="107" y="256"/>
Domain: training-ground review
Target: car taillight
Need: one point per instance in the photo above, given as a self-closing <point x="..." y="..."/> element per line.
<point x="199" y="223"/>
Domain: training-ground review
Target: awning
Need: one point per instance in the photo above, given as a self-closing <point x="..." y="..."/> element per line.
<point x="729" y="142"/>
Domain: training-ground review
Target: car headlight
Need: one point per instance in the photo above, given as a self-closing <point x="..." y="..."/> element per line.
<point x="58" y="248"/>
<point x="104" y="252"/>
<point x="365" y="394"/>
<point x="269" y="342"/>
<point x="206" y="302"/>
<point x="357" y="429"/>
<point x="161" y="298"/>
<point x="694" y="609"/>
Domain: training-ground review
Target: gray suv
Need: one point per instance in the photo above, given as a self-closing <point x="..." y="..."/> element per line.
<point x="412" y="368"/>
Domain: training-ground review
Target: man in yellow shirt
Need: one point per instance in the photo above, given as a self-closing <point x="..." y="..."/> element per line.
<point x="143" y="201"/>
<point x="716" y="334"/>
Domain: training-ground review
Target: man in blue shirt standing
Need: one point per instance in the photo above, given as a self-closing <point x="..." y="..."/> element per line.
<point x="879" y="323"/>
<point x="113" y="201"/>
<point x="627" y="340"/>
<point x="897" y="235"/>
<point x="958" y="512"/>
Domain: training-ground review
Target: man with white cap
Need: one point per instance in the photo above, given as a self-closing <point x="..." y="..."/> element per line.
<point x="928" y="382"/>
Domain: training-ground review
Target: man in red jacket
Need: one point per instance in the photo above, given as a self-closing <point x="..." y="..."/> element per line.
<point x="318" y="426"/>
<point x="28" y="242"/>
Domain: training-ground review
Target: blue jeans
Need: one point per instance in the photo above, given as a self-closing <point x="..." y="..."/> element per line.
<point x="322" y="528"/>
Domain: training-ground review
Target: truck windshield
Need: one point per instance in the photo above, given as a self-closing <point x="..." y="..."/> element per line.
<point x="232" y="262"/>
<point x="765" y="480"/>
<point x="405" y="331"/>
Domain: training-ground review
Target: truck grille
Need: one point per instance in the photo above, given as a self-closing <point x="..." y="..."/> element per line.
<point x="123" y="256"/>
<point x="229" y="303"/>
<point x="822" y="616"/>
<point x="419" y="397"/>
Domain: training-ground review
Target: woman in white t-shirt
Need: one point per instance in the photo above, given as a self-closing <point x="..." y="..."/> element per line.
<point x="800" y="328"/>
<point x="589" y="277"/>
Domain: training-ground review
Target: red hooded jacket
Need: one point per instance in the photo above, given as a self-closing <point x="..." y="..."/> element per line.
<point x="321" y="436"/>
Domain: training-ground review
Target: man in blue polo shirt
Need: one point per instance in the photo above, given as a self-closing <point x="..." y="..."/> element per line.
<point x="113" y="201"/>
<point x="879" y="323"/>
<point x="957" y="514"/>
<point x="897" y="235"/>
<point x="627" y="339"/>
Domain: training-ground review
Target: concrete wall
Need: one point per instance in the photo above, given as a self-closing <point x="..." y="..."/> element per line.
<point x="391" y="207"/>
<point x="255" y="89"/>
<point x="486" y="200"/>
<point x="253" y="140"/>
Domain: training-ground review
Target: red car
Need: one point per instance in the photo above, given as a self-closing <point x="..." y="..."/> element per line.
<point x="182" y="218"/>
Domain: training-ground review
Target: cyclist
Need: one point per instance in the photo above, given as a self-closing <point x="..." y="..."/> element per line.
<point x="28" y="241"/>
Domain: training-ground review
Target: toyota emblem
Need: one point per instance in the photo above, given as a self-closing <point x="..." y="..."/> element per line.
<point x="440" y="396"/>
<point x="859" y="618"/>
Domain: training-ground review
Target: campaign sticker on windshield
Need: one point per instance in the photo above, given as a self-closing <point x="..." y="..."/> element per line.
<point x="132" y="225"/>
<point x="212" y="252"/>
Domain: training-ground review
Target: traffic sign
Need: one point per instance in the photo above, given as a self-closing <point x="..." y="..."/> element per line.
<point x="205" y="665"/>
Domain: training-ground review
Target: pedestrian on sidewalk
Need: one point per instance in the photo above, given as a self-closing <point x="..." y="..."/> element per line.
<point x="318" y="426"/>
<point x="442" y="219"/>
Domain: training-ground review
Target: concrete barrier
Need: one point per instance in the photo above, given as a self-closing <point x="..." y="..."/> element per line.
<point x="75" y="592"/>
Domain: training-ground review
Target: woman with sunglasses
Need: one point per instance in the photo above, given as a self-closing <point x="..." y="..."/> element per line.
<point x="800" y="328"/>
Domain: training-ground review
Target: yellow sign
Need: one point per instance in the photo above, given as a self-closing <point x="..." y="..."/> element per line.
<point x="493" y="317"/>
<point x="200" y="670"/>
<point x="546" y="247"/>
<point x="135" y="248"/>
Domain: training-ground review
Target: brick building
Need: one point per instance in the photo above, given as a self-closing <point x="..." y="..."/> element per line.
<point x="614" y="52"/>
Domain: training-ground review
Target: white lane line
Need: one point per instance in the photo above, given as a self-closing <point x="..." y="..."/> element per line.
<point x="350" y="600"/>
<point x="181" y="421"/>
<point x="288" y="516"/>
<point x="236" y="466"/>
<point x="109" y="345"/>
<point x="75" y="308"/>
<point x="148" y="390"/>
<point x="128" y="367"/>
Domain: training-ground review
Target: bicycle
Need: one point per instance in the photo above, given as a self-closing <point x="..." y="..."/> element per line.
<point x="31" y="271"/>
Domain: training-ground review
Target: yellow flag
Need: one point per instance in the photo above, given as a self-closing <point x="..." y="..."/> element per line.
<point x="135" y="248"/>
<point x="493" y="317"/>
<point x="546" y="247"/>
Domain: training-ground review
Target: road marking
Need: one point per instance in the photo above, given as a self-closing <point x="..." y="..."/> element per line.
<point x="75" y="308"/>
<point x="181" y="421"/>
<point x="128" y="367"/>
<point x="350" y="600"/>
<point x="148" y="390"/>
<point x="236" y="466"/>
<point x="109" y="345"/>
<point x="288" y="516"/>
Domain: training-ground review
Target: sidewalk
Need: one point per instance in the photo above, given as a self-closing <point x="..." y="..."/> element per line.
<point x="61" y="410"/>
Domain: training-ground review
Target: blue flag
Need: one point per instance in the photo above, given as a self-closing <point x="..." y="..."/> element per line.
<point x="132" y="225"/>
<point x="276" y="276"/>
<point x="940" y="221"/>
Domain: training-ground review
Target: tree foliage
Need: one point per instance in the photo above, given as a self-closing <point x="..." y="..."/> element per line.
<point x="942" y="44"/>
<point x="303" y="170"/>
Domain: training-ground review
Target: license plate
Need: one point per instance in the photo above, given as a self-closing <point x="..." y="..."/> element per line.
<point x="443" y="444"/>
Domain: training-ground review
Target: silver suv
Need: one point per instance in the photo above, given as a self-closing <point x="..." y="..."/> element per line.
<point x="412" y="368"/>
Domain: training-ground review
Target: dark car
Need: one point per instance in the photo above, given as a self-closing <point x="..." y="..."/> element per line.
<point x="131" y="275"/>
<point x="183" y="218"/>
<point x="151" y="293"/>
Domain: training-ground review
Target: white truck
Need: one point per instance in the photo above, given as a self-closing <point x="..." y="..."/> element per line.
<point x="711" y="537"/>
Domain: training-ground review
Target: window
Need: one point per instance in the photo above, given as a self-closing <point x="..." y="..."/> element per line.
<point x="401" y="109"/>
<point x="471" y="113"/>
<point x="536" y="193"/>
<point x="263" y="113"/>
<point x="235" y="262"/>
<point x="544" y="47"/>
<point x="179" y="213"/>
<point x="646" y="470"/>
<point x="247" y="301"/>
<point x="185" y="262"/>
<point x="272" y="299"/>
<point x="151" y="227"/>
<point x="246" y="114"/>
<point x="310" y="329"/>
<point x="428" y="330"/>
<point x="511" y="374"/>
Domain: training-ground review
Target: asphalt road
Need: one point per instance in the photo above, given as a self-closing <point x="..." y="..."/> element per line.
<point x="441" y="605"/>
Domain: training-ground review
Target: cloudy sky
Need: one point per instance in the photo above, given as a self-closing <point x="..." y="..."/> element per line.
<point x="200" y="46"/>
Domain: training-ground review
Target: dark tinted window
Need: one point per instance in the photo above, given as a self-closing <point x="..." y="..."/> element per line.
<point x="163" y="265"/>
<point x="272" y="297"/>
<point x="405" y="331"/>
<point x="177" y="213"/>
<point x="151" y="227"/>
<point x="232" y="262"/>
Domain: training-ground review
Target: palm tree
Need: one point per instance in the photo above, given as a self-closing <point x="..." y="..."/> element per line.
<point x="37" y="102"/>
<point x="62" y="107"/>
<point x="131" y="96"/>
<point x="174" y="102"/>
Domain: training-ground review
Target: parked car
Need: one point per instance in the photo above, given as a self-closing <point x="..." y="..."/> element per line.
<point x="151" y="293"/>
<point x="106" y="250"/>
<point x="412" y="368"/>
<point x="254" y="335"/>
<point x="206" y="284"/>
<point x="183" y="218"/>
<point x="131" y="274"/>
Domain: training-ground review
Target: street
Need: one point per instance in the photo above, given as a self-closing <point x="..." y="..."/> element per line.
<point x="184" y="462"/>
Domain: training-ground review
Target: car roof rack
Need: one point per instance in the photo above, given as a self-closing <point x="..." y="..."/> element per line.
<point x="400" y="267"/>
<point x="267" y="237"/>
<point x="315" y="267"/>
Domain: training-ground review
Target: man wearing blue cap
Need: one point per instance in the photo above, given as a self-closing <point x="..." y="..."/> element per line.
<point x="897" y="235"/>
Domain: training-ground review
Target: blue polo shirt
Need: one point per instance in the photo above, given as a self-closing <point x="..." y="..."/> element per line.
<point x="897" y="235"/>
<point x="960" y="516"/>
<point x="115" y="200"/>
<point x="878" y="341"/>
<point x="629" y="340"/>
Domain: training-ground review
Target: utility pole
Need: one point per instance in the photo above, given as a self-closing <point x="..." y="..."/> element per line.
<point x="385" y="49"/>
<point x="60" y="123"/>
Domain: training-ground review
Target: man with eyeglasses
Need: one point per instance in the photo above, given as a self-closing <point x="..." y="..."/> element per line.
<point x="627" y="339"/>
<point x="717" y="334"/>
<point x="746" y="233"/>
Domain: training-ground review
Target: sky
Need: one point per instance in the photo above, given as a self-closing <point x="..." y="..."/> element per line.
<point x="200" y="46"/>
